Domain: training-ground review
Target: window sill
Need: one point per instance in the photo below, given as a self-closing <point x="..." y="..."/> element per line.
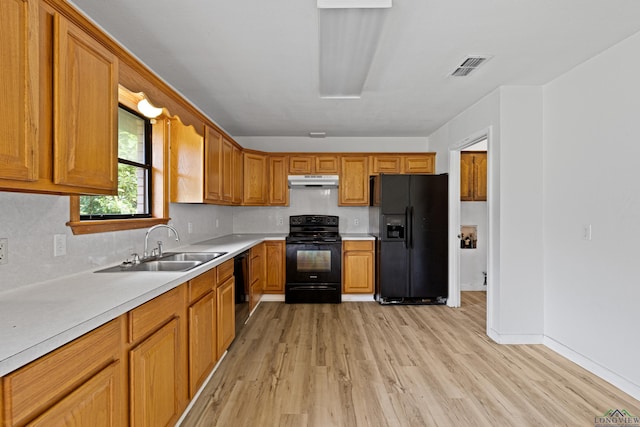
<point x="103" y="226"/>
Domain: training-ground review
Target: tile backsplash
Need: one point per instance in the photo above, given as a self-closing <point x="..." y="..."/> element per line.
<point x="30" y="221"/>
<point x="302" y="201"/>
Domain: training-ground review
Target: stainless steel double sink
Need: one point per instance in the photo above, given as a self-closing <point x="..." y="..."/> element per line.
<point x="171" y="261"/>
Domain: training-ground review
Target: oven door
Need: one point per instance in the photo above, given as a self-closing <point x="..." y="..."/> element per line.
<point x="314" y="262"/>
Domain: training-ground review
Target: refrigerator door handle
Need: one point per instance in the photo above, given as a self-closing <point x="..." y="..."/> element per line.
<point x="411" y="227"/>
<point x="407" y="227"/>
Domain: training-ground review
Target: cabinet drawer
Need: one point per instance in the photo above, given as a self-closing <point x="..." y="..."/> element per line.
<point x="224" y="271"/>
<point x="357" y="245"/>
<point x="202" y="284"/>
<point x="35" y="387"/>
<point x="153" y="314"/>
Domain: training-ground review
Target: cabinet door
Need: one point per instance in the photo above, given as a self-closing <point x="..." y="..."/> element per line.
<point x="327" y="165"/>
<point x="385" y="164"/>
<point x="226" y="306"/>
<point x="255" y="177"/>
<point x="94" y="403"/>
<point x="19" y="106"/>
<point x="213" y="165"/>
<point x="466" y="176"/>
<point x="237" y="176"/>
<point x="419" y="163"/>
<point x="278" y="187"/>
<point x="257" y="273"/>
<point x="187" y="152"/>
<point x="301" y="165"/>
<point x="227" y="171"/>
<point x="357" y="267"/>
<point x="480" y="177"/>
<point x="202" y="341"/>
<point x="354" y="181"/>
<point x="56" y="376"/>
<point x="275" y="266"/>
<point x="86" y="110"/>
<point x="154" y="364"/>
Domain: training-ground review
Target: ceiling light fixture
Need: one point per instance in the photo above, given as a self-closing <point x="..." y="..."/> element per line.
<point x="148" y="110"/>
<point x="349" y="32"/>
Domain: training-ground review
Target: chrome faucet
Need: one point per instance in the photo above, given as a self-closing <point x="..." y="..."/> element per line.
<point x="146" y="239"/>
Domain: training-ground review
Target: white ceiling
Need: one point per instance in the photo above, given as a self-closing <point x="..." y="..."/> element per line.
<point x="252" y="65"/>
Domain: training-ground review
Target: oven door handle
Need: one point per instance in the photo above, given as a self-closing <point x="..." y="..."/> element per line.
<point x="310" y="287"/>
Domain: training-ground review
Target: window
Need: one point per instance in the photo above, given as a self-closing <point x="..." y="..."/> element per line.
<point x="134" y="173"/>
<point x="142" y="199"/>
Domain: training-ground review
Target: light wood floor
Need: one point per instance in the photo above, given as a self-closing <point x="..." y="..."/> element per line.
<point x="362" y="364"/>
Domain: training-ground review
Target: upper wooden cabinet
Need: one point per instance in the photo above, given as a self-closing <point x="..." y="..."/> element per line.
<point x="212" y="165"/>
<point x="473" y="176"/>
<point x="238" y="177"/>
<point x="60" y="98"/>
<point x="255" y="179"/>
<point x="226" y="158"/>
<point x="313" y="164"/>
<point x="187" y="149"/>
<point x="402" y="163"/>
<point x="419" y="163"/>
<point x="278" y="186"/>
<point x="19" y="106"/>
<point x="85" y="110"/>
<point x="354" y="181"/>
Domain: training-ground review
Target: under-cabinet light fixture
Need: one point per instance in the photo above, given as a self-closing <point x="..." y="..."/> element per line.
<point x="148" y="110"/>
<point x="349" y="32"/>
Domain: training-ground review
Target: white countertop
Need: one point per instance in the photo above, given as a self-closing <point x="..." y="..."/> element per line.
<point x="357" y="236"/>
<point x="39" y="318"/>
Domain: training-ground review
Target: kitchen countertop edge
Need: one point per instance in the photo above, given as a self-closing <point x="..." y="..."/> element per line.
<point x="28" y="334"/>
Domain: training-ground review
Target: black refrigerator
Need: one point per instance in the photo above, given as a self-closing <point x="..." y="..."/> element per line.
<point x="409" y="217"/>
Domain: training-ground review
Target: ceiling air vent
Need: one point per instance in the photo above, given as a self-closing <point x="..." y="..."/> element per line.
<point x="469" y="64"/>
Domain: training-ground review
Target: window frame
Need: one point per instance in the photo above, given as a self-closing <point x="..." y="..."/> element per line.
<point x="159" y="184"/>
<point x="147" y="166"/>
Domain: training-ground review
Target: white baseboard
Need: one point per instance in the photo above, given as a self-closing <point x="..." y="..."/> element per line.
<point x="515" y="338"/>
<point x="345" y="298"/>
<point x="616" y="380"/>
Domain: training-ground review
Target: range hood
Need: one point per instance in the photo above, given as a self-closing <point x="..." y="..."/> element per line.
<point x="327" y="181"/>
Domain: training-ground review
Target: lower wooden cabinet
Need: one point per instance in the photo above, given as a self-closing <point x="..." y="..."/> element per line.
<point x="357" y="266"/>
<point x="203" y="346"/>
<point x="91" y="404"/>
<point x="157" y="360"/>
<point x="257" y="274"/>
<point x="156" y="383"/>
<point x="275" y="267"/>
<point x="81" y="381"/>
<point x="226" y="306"/>
<point x="155" y="357"/>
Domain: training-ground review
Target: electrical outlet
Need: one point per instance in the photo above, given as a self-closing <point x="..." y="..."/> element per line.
<point x="356" y="221"/>
<point x="586" y="232"/>
<point x="59" y="245"/>
<point x="217" y="223"/>
<point x="4" y="250"/>
<point x="280" y="220"/>
<point x="190" y="227"/>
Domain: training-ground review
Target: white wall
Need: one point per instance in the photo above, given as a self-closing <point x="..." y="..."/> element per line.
<point x="514" y="117"/>
<point x="258" y="219"/>
<point x="474" y="261"/>
<point x="591" y="159"/>
<point x="30" y="221"/>
<point x="334" y="144"/>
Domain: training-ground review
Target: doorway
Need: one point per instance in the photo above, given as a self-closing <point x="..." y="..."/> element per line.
<point x="469" y="259"/>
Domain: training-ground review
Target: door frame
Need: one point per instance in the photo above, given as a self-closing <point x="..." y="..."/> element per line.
<point x="454" y="218"/>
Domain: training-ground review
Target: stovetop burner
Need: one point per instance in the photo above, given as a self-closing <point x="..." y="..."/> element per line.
<point x="313" y="228"/>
